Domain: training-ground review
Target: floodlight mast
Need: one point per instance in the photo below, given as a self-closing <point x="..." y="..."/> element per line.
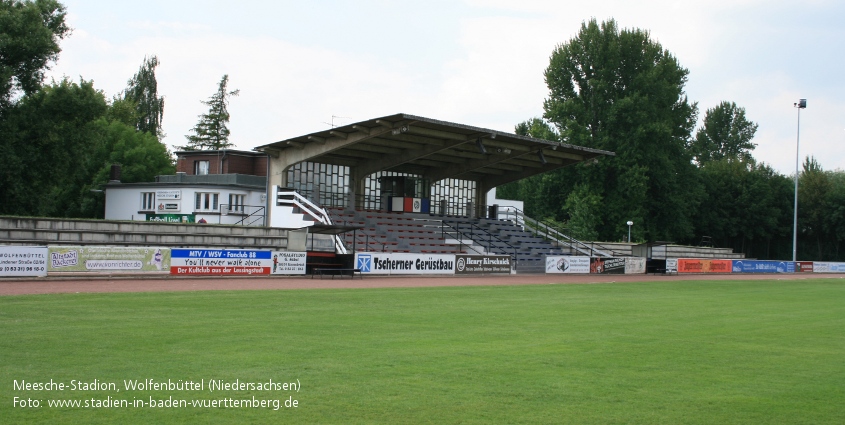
<point x="801" y="104"/>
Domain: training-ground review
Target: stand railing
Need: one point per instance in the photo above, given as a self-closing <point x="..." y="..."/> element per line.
<point x="286" y="197"/>
<point x="459" y="235"/>
<point x="250" y="214"/>
<point x="551" y="232"/>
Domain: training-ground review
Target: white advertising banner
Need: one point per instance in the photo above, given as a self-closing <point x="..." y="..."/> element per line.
<point x="828" y="267"/>
<point x="288" y="262"/>
<point x="404" y="263"/>
<point x="108" y="259"/>
<point x="634" y="265"/>
<point x="671" y="265"/>
<point x="23" y="261"/>
<point x="567" y="264"/>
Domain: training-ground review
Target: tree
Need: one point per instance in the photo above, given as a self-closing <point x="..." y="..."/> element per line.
<point x="814" y="188"/>
<point x="211" y="132"/>
<point x="749" y="208"/>
<point x="142" y="90"/>
<point x="541" y="196"/>
<point x="583" y="206"/>
<point x="620" y="91"/>
<point x="46" y="143"/>
<point x="30" y="32"/>
<point x="59" y="143"/>
<point x="725" y="134"/>
<point x="140" y="154"/>
<point x="835" y="217"/>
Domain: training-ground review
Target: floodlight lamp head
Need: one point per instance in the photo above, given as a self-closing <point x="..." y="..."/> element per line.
<point x="801" y="104"/>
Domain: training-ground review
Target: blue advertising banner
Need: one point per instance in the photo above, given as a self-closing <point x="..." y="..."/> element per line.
<point x="225" y="254"/>
<point x="759" y="266"/>
<point x="222" y="262"/>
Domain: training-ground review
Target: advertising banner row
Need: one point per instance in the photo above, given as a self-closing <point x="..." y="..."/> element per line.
<point x="39" y="261"/>
<point x="698" y="265"/>
<point x="583" y="264"/>
<point x="431" y="264"/>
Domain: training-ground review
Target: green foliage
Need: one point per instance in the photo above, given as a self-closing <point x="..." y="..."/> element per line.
<point x="142" y="90"/>
<point x="749" y="208"/>
<point x="212" y="133"/>
<point x="141" y="157"/>
<point x="584" y="207"/>
<point x="726" y="134"/>
<point x="620" y="91"/>
<point x="821" y="201"/>
<point x="47" y="144"/>
<point x="834" y="224"/>
<point x="60" y="143"/>
<point x="539" y="200"/>
<point x="30" y="32"/>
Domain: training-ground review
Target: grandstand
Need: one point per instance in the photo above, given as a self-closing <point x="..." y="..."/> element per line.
<point x="409" y="184"/>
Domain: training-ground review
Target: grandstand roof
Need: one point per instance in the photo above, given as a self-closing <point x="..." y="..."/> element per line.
<point x="433" y="149"/>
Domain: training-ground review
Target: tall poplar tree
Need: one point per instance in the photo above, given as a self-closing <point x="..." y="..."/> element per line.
<point x="142" y="90"/>
<point x="211" y="132"/>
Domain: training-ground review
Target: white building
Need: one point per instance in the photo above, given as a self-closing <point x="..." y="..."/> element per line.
<point x="212" y="198"/>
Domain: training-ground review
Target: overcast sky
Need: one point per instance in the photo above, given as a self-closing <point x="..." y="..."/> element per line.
<point x="301" y="65"/>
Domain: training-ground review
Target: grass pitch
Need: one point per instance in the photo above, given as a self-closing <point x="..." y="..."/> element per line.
<point x="674" y="353"/>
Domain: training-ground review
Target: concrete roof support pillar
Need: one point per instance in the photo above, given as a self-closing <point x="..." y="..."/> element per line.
<point x="357" y="189"/>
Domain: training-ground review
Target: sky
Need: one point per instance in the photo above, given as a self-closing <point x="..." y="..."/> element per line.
<point x="303" y="66"/>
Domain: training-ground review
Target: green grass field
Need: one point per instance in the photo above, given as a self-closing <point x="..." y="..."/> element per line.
<point x="743" y="352"/>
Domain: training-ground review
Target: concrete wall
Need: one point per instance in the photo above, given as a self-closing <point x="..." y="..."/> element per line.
<point x="43" y="231"/>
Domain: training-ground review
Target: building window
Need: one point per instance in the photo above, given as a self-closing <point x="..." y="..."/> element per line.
<point x="148" y="200"/>
<point x="236" y="203"/>
<point x="201" y="167"/>
<point x="207" y="201"/>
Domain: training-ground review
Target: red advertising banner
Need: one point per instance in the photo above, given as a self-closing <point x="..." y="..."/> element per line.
<point x="697" y="265"/>
<point x="219" y="270"/>
<point x="804" y="267"/>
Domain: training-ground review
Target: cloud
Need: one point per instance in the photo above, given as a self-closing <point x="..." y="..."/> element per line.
<point x="482" y="66"/>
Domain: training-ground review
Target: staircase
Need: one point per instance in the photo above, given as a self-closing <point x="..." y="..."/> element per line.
<point x="294" y="211"/>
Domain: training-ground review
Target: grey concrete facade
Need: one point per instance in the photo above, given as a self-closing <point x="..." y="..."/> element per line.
<point x="52" y="231"/>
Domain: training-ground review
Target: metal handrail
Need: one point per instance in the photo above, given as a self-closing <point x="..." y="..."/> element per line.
<point x="241" y="210"/>
<point x="292" y="197"/>
<point x="444" y="224"/>
<point x="552" y="233"/>
<point x="366" y="235"/>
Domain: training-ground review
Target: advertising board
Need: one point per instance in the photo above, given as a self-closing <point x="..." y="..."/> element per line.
<point x="671" y="265"/>
<point x="172" y="218"/>
<point x="288" y="262"/>
<point x="107" y="259"/>
<point x="404" y="263"/>
<point x="804" y="267"/>
<point x="236" y="262"/>
<point x="482" y="264"/>
<point x="635" y="265"/>
<point x="828" y="267"/>
<point x="700" y="265"/>
<point x="759" y="266"/>
<point x="23" y="261"/>
<point x="607" y="265"/>
<point x="567" y="264"/>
